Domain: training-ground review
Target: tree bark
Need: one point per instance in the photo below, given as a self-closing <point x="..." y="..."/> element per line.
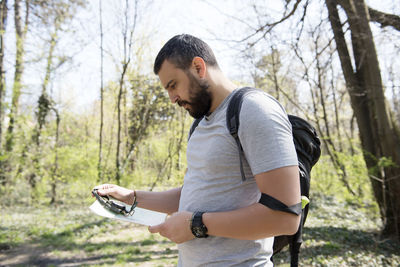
<point x="384" y="19"/>
<point x="20" y="32"/>
<point x="379" y="139"/>
<point x="3" y="20"/>
<point x="99" y="165"/>
<point x="127" y="58"/>
<point x="19" y="67"/>
<point x="119" y="125"/>
<point x="54" y="171"/>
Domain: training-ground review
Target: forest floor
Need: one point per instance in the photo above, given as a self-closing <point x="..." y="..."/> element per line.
<point x="336" y="234"/>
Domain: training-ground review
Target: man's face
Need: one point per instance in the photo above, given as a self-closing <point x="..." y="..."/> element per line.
<point x="185" y="89"/>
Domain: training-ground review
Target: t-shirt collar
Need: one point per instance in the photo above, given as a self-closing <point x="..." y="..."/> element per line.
<point x="221" y="106"/>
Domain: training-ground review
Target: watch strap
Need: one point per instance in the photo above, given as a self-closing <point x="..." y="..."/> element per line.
<point x="197" y="226"/>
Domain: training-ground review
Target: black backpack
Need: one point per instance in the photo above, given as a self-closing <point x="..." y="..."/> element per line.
<point x="308" y="150"/>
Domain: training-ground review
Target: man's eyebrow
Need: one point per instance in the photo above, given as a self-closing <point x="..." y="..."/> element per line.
<point x="168" y="84"/>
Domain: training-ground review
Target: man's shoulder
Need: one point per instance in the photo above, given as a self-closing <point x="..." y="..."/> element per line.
<point x="261" y="105"/>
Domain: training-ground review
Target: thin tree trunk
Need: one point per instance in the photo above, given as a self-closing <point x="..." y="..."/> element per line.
<point x="53" y="43"/>
<point x="336" y="109"/>
<point x="54" y="173"/>
<point x="20" y="32"/>
<point x="99" y="165"/>
<point x="19" y="67"/>
<point x="275" y="68"/>
<point x="3" y="20"/>
<point x="127" y="51"/>
<point x="119" y="125"/>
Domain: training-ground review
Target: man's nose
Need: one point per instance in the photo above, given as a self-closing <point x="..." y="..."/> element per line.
<point x="173" y="97"/>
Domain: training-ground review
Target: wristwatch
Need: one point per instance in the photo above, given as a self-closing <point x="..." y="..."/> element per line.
<point x="197" y="226"/>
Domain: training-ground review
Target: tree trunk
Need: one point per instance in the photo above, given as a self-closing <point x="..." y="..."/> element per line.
<point x="54" y="172"/>
<point x="119" y="125"/>
<point x="99" y="165"/>
<point x="3" y="20"/>
<point x="20" y="32"/>
<point x="127" y="39"/>
<point x="379" y="140"/>
<point x="20" y="47"/>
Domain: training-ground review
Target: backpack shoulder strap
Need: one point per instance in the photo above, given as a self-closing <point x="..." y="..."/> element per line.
<point x="233" y="111"/>
<point x="232" y="120"/>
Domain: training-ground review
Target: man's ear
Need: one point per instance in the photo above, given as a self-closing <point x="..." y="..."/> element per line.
<point x="200" y="66"/>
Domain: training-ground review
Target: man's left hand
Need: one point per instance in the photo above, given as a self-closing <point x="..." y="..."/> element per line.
<point x="176" y="227"/>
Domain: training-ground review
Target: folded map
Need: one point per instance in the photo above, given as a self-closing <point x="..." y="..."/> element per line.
<point x="141" y="216"/>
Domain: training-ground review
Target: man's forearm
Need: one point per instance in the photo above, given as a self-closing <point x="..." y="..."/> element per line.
<point x="251" y="223"/>
<point x="166" y="201"/>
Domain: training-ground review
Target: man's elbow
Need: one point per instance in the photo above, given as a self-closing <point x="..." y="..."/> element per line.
<point x="291" y="224"/>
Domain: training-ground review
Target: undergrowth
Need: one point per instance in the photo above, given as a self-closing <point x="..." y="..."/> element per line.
<point x="337" y="233"/>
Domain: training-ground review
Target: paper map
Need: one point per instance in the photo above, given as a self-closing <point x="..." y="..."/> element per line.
<point x="141" y="216"/>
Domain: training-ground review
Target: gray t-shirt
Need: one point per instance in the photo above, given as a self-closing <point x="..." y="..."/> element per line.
<point x="213" y="181"/>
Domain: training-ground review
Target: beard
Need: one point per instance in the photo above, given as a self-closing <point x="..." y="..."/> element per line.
<point x="199" y="103"/>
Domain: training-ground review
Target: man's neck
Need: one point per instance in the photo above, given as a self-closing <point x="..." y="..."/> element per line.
<point x="220" y="87"/>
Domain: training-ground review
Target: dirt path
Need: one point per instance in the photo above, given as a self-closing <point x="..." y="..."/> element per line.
<point x="23" y="255"/>
<point x="34" y="255"/>
<point x="108" y="249"/>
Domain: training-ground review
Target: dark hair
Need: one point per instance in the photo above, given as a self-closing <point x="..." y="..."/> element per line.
<point x="180" y="51"/>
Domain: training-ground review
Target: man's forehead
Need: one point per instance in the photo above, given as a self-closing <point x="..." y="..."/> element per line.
<point x="168" y="72"/>
<point x="167" y="66"/>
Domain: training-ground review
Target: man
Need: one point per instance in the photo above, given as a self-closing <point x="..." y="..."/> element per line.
<point x="231" y="227"/>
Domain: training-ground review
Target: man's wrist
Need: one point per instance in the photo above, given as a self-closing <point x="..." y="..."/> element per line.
<point x="197" y="226"/>
<point x="132" y="198"/>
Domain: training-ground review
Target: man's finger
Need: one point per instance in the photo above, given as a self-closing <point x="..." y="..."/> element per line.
<point x="104" y="189"/>
<point x="103" y="192"/>
<point x="155" y="228"/>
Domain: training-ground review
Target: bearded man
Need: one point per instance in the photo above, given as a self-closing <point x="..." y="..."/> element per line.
<point x="215" y="217"/>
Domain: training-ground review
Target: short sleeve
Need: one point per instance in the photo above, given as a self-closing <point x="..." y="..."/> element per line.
<point x="266" y="134"/>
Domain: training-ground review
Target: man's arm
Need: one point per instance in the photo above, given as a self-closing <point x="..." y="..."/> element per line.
<point x="258" y="221"/>
<point x="253" y="222"/>
<point x="166" y="201"/>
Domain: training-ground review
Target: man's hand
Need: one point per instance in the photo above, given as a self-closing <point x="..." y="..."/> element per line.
<point x="117" y="192"/>
<point x="176" y="227"/>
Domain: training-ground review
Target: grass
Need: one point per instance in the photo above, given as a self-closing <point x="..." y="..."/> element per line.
<point x="337" y="233"/>
<point x="77" y="237"/>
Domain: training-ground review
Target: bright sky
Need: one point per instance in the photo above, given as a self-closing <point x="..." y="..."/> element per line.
<point x="77" y="85"/>
<point x="159" y="21"/>
<point x="162" y="20"/>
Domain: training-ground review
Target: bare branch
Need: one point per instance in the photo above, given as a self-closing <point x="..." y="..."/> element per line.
<point x="384" y="19"/>
<point x="228" y="15"/>
<point x="266" y="28"/>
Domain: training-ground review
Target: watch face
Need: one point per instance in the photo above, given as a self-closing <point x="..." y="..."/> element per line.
<point x="199" y="231"/>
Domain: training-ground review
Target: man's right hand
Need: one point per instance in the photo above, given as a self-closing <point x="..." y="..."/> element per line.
<point x="119" y="193"/>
